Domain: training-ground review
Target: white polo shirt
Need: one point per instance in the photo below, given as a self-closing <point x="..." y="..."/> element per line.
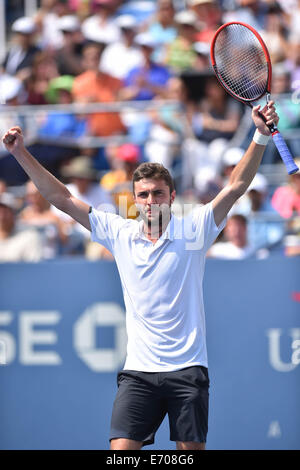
<point x="162" y="287"/>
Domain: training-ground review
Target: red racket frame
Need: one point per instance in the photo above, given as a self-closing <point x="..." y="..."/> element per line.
<point x="267" y="55"/>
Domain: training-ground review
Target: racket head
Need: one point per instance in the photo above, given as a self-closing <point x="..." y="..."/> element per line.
<point x="241" y="61"/>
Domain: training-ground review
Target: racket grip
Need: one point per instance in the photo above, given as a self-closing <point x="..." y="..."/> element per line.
<point x="284" y="153"/>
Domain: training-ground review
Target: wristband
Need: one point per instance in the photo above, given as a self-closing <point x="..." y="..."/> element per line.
<point x="260" y="139"/>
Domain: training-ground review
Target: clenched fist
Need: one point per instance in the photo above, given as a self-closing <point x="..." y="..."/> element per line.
<point x="13" y="139"/>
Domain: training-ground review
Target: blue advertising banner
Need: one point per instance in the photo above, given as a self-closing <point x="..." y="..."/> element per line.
<point x="63" y="339"/>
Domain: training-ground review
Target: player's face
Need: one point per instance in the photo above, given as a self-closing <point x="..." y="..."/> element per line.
<point x="153" y="199"/>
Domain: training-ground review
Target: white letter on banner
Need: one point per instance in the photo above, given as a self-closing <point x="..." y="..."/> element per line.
<point x="7" y="341"/>
<point x="101" y="359"/>
<point x="29" y="338"/>
<point x="274" y="335"/>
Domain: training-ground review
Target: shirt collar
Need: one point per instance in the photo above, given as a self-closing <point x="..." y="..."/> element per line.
<point x="168" y="234"/>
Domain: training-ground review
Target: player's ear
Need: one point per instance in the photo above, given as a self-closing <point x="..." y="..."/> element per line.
<point x="173" y="194"/>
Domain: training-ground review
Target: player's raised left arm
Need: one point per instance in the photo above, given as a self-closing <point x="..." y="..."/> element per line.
<point x="245" y="170"/>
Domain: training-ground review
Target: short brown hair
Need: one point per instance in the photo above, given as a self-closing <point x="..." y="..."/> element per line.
<point x="239" y="218"/>
<point x="155" y="171"/>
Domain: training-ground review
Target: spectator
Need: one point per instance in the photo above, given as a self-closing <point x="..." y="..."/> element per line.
<point x="16" y="245"/>
<point x="19" y="58"/>
<point x="180" y="54"/>
<point x="209" y="16"/>
<point x="120" y="57"/>
<point x="47" y="20"/>
<point x="38" y="214"/>
<point x="55" y="127"/>
<point x="118" y="181"/>
<point x="68" y="56"/>
<point x="292" y="238"/>
<point x="230" y="159"/>
<point x="103" y="19"/>
<point x="274" y="34"/>
<point x="60" y="124"/>
<point x="202" y="63"/>
<point x="96" y="86"/>
<point x="288" y="109"/>
<point x="295" y="20"/>
<point x="218" y="115"/>
<point x="145" y="82"/>
<point x="214" y="123"/>
<point x="251" y="12"/>
<point x="149" y="80"/>
<point x="265" y="229"/>
<point x="162" y="27"/>
<point x="44" y="70"/>
<point x="236" y="245"/>
<point x="168" y="127"/>
<point x="207" y="184"/>
<point x="293" y="63"/>
<point x="286" y="199"/>
<point x="82" y="183"/>
<point x="12" y="93"/>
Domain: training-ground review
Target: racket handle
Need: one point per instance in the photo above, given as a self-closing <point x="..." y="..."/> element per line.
<point x="284" y="153"/>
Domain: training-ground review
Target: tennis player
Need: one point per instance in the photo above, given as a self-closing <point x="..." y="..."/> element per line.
<point x="161" y="264"/>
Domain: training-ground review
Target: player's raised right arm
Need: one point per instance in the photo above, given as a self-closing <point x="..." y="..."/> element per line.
<point x="50" y="187"/>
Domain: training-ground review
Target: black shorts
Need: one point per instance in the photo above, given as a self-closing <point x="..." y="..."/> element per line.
<point x="144" y="398"/>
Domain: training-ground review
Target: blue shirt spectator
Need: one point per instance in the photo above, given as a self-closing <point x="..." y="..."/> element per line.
<point x="265" y="228"/>
<point x="66" y="124"/>
<point x="59" y="124"/>
<point x="147" y="81"/>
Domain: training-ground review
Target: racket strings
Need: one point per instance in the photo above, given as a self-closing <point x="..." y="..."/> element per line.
<point x="241" y="62"/>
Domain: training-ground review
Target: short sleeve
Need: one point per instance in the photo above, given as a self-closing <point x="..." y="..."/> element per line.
<point x="105" y="228"/>
<point x="205" y="225"/>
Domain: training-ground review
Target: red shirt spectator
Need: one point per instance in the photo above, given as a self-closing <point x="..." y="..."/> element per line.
<point x="95" y="86"/>
<point x="286" y="199"/>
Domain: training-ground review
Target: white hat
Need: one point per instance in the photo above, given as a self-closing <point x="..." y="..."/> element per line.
<point x="68" y="23"/>
<point x="192" y="3"/>
<point x="204" y="178"/>
<point x="126" y="21"/>
<point x="279" y="69"/>
<point x="202" y="48"/>
<point x="8" y="200"/>
<point x="102" y="36"/>
<point x="24" y="25"/>
<point x="186" y="17"/>
<point x="10" y="87"/>
<point x="232" y="156"/>
<point x="146" y="39"/>
<point x="259" y="183"/>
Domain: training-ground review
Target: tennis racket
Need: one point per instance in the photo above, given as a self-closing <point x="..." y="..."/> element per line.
<point x="242" y="64"/>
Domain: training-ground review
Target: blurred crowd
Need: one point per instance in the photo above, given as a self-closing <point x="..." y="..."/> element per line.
<point x="146" y="65"/>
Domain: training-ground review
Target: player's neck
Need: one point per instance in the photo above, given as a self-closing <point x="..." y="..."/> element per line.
<point x="154" y="231"/>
